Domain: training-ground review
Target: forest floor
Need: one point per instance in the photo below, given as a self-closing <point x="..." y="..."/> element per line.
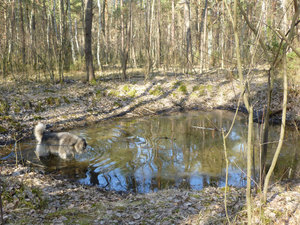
<point x="74" y="103"/>
<point x="30" y="196"/>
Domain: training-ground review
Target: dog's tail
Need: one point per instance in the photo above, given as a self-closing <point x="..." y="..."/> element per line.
<point x="38" y="131"/>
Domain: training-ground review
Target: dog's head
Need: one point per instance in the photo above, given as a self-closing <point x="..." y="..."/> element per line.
<point x="80" y="145"/>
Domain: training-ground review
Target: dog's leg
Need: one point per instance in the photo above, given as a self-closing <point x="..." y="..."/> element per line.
<point x="62" y="153"/>
<point x="41" y="150"/>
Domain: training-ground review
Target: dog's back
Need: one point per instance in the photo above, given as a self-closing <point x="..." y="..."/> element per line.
<point x="39" y="131"/>
<point x="63" y="144"/>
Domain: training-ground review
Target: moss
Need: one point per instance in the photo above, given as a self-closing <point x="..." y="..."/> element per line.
<point x="49" y="91"/>
<point x="93" y="82"/>
<point x="73" y="216"/>
<point x="99" y="93"/>
<point x="118" y="104"/>
<point x="36" y="117"/>
<point x="27" y="105"/>
<point x="35" y="200"/>
<point x="176" y="84"/>
<point x="16" y="107"/>
<point x="202" y="89"/>
<point x="7" y="118"/>
<point x="156" y="91"/>
<point x="182" y="88"/>
<point x="126" y="88"/>
<point x="66" y="100"/>
<point x="293" y="66"/>
<point x="4" y="107"/>
<point x="53" y="101"/>
<point x="195" y="195"/>
<point x="39" y="107"/>
<point x="132" y="93"/>
<point x="3" y="130"/>
<point x="113" y="93"/>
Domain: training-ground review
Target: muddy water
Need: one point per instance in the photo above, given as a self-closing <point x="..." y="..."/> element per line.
<point x="169" y="151"/>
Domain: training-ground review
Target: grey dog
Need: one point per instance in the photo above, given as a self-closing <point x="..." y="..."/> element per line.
<point x="63" y="144"/>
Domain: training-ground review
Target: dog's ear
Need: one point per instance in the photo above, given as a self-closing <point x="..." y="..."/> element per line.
<point x="80" y="145"/>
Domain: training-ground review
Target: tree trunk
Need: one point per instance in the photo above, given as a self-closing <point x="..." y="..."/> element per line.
<point x="158" y="49"/>
<point x="99" y="35"/>
<point x="203" y="36"/>
<point x="173" y="31"/>
<point x="88" y="40"/>
<point x="76" y="37"/>
<point x="23" y="33"/>
<point x="284" y="104"/>
<point x="125" y="44"/>
<point x="149" y="49"/>
<point x="245" y="90"/>
<point x="70" y="32"/>
<point x="187" y="19"/>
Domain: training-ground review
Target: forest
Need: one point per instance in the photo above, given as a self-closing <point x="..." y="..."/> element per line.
<point x="76" y="64"/>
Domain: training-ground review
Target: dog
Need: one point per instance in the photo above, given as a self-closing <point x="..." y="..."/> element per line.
<point x="63" y="144"/>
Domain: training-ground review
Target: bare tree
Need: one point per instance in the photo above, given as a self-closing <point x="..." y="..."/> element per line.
<point x="70" y="31"/>
<point x="187" y="21"/>
<point x="23" y="32"/>
<point x="99" y="34"/>
<point x="245" y="91"/>
<point x="88" y="40"/>
<point x="284" y="103"/>
<point x="202" y="35"/>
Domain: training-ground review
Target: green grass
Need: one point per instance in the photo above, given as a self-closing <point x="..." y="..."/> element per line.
<point x="182" y="88"/>
<point x="157" y="91"/>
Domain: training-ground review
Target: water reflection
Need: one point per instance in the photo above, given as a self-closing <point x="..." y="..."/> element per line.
<point x="148" y="154"/>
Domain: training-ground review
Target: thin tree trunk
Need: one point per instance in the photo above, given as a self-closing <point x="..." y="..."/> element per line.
<point x="284" y="105"/>
<point x="187" y="19"/>
<point x="250" y="116"/>
<point x="76" y="37"/>
<point x="123" y="53"/>
<point x="282" y="130"/>
<point x="82" y="36"/>
<point x="203" y="36"/>
<point x="149" y="39"/>
<point x="249" y="107"/>
<point x="54" y="19"/>
<point x="158" y="50"/>
<point x="61" y="58"/>
<point x="88" y="40"/>
<point x="99" y="34"/>
<point x="33" y="35"/>
<point x="222" y="35"/>
<point x="70" y="32"/>
<point x="173" y="30"/>
<point x="132" y="42"/>
<point x="23" y="33"/>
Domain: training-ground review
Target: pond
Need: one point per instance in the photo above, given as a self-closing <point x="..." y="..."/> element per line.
<point x="169" y="151"/>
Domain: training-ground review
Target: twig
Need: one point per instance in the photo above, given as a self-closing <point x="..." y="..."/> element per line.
<point x="35" y="164"/>
<point x="226" y="176"/>
<point x="205" y="128"/>
<point x="1" y="205"/>
<point x="244" y="172"/>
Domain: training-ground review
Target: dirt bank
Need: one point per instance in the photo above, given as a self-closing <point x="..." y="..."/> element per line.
<point x="74" y="103"/>
<point x="32" y="197"/>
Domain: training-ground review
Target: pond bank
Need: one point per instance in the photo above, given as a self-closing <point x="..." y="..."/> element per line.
<point x="32" y="197"/>
<point x="74" y="103"/>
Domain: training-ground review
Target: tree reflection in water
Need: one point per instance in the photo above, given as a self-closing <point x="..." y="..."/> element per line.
<point x="153" y="153"/>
